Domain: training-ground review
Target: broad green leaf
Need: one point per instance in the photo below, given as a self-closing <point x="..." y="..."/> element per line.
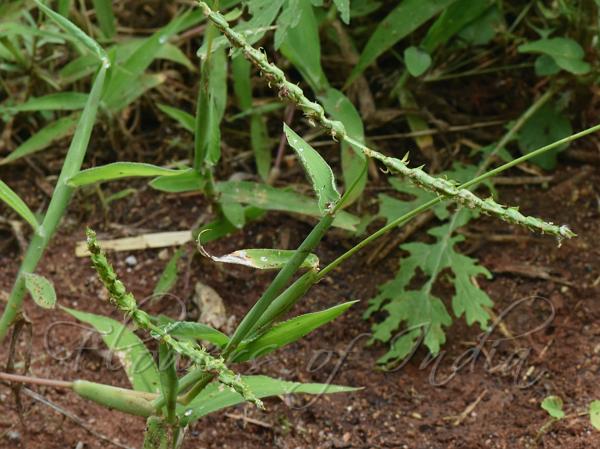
<point x="118" y="170"/>
<point x="43" y="138"/>
<point x="264" y="259"/>
<point x="130" y="350"/>
<point x="595" y="414"/>
<point x="41" y="290"/>
<point x="212" y="398"/>
<point x="105" y="16"/>
<point x="270" y="198"/>
<point x="545" y="66"/>
<point x="399" y="23"/>
<point x="74" y="31"/>
<point x="288" y="332"/>
<point x="169" y="275"/>
<point x="417" y="61"/>
<point x="302" y="48"/>
<point x="15" y="202"/>
<point x="234" y="213"/>
<point x="339" y="107"/>
<point x="288" y="19"/>
<point x="318" y="171"/>
<point x="185" y="119"/>
<point x="567" y="53"/>
<point x="553" y="405"/>
<point x="187" y="181"/>
<point x="62" y="101"/>
<point x="547" y="125"/>
<point x="343" y="7"/>
<point x="190" y="330"/>
<point x="173" y="53"/>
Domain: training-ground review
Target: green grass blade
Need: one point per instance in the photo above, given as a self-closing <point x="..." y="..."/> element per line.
<point x="270" y="198"/>
<point x="105" y="16"/>
<point x="399" y="23"/>
<point x="288" y="332"/>
<point x="168" y="278"/>
<point x="118" y="170"/>
<point x="42" y="139"/>
<point x="62" y="101"/>
<point x="185" y="119"/>
<point x="211" y="399"/>
<point x="74" y="31"/>
<point x="15" y="202"/>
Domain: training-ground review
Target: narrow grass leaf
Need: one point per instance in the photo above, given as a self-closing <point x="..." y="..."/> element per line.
<point x="130" y="350"/>
<point x="318" y="171"/>
<point x="185" y="119"/>
<point x="288" y="332"/>
<point x="187" y="181"/>
<point x="399" y="23"/>
<point x="41" y="290"/>
<point x="62" y="101"/>
<point x="106" y="17"/>
<point x="15" y="202"/>
<point x="42" y="139"/>
<point x="74" y="31"/>
<point x="168" y="278"/>
<point x="270" y="198"/>
<point x="118" y="170"/>
<point x="212" y="399"/>
<point x="264" y="259"/>
<point x="192" y="331"/>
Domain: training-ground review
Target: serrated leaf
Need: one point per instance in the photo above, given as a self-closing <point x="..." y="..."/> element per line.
<point x="41" y="290"/>
<point x="595" y="414"/>
<point x="212" y="398"/>
<point x="14" y="201"/>
<point x="567" y="53"/>
<point x="133" y="355"/>
<point x="553" y="405"/>
<point x="265" y="259"/>
<point x="118" y="170"/>
<point x="417" y="61"/>
<point x="288" y="332"/>
<point x="318" y="171"/>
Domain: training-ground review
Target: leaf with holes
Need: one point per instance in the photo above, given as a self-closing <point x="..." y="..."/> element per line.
<point x="41" y="290"/>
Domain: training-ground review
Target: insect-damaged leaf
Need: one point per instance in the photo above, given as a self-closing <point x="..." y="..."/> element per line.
<point x="263" y="259"/>
<point x="41" y="290"/>
<point x="318" y="171"/>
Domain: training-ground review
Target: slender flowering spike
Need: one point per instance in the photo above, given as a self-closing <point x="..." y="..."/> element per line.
<point x="126" y="303"/>
<point x="466" y="198"/>
<point x="315" y="113"/>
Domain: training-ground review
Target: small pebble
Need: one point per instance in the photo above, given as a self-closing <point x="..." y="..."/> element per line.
<point x="13" y="435"/>
<point x="131" y="261"/>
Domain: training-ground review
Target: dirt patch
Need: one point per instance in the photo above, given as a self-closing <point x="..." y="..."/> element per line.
<point x="547" y="296"/>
